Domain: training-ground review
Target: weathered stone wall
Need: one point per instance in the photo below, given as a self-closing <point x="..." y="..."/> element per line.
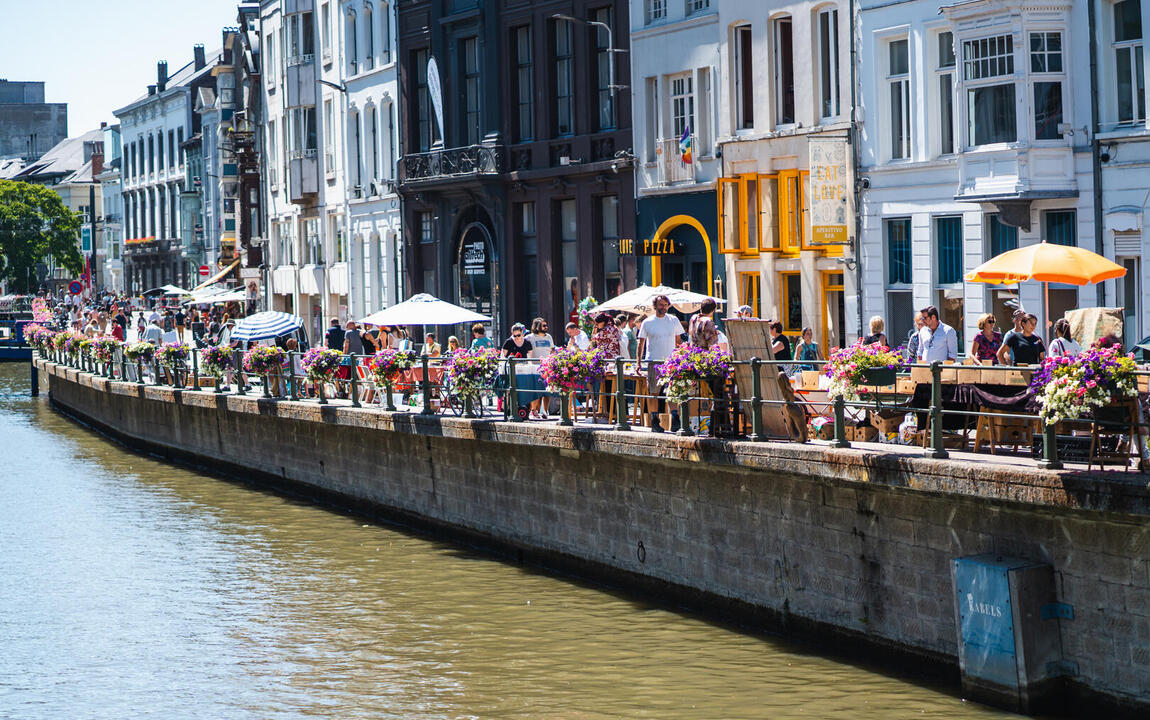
<point x="855" y="543"/>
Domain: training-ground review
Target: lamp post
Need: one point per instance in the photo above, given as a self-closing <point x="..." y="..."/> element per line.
<point x="611" y="86"/>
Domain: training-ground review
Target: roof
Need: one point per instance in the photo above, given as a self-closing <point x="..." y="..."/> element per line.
<point x="179" y="78"/>
<point x="66" y="158"/>
<point x="10" y="167"/>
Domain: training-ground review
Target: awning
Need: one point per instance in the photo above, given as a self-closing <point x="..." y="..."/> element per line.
<point x="218" y="276"/>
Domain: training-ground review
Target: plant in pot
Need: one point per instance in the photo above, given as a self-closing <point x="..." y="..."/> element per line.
<point x="852" y="369"/>
<point x="263" y="360"/>
<point x="217" y="361"/>
<point x="172" y="356"/>
<point x="387" y="366"/>
<point x="470" y="373"/>
<point x="104" y="349"/>
<point x="1097" y="378"/>
<point x="567" y="370"/>
<point x="320" y="364"/>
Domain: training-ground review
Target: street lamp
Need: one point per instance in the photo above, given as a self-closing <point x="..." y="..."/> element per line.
<point x="611" y="86"/>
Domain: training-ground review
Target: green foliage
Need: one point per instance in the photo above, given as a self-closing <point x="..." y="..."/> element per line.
<point x="34" y="223"/>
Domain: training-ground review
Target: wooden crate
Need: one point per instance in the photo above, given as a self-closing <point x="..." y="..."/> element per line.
<point x="971" y="374"/>
<point x="920" y="375"/>
<point x="861" y="433"/>
<point x="886" y="421"/>
<point x="905" y="386"/>
<point x="810" y="380"/>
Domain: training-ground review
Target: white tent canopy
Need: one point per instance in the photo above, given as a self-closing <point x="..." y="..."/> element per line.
<point x="641" y="300"/>
<point x="167" y="290"/>
<point x="423" y="309"/>
<point x="210" y="296"/>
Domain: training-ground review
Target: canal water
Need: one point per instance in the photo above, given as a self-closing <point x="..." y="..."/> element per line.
<point x="132" y="588"/>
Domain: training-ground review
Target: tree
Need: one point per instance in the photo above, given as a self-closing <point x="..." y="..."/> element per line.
<point x="35" y="223"/>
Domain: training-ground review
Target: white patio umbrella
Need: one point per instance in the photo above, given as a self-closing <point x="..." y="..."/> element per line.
<point x="641" y="300"/>
<point x="265" y="326"/>
<point x="423" y="309"/>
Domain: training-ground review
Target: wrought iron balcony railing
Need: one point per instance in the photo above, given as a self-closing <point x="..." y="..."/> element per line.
<point x="449" y="162"/>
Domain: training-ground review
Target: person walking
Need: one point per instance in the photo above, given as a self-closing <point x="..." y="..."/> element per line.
<point x="658" y="337"/>
<point x="937" y="341"/>
<point x="333" y="339"/>
<point x="349" y="364"/>
<point x="180" y="320"/>
<point x="984" y="347"/>
<point x="1063" y="345"/>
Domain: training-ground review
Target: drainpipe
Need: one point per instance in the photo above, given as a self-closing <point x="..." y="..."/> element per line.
<point x="1095" y="147"/>
<point x="857" y="194"/>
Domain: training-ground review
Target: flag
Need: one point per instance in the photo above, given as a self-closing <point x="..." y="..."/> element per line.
<point x="685" y="145"/>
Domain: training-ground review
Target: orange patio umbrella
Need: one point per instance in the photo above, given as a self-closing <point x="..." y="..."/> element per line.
<point x="1046" y="263"/>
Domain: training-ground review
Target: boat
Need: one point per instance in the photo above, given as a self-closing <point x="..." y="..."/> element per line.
<point x="15" y="314"/>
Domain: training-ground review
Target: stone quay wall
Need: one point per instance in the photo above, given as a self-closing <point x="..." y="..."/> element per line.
<point x="845" y="545"/>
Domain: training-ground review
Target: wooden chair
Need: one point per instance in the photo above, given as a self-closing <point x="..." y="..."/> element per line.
<point x="1115" y="420"/>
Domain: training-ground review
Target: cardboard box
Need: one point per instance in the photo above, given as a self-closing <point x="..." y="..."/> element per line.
<point x="1143" y="383"/>
<point x="810" y="380"/>
<point x="886" y="421"/>
<point x="972" y="374"/>
<point x="905" y="386"/>
<point x="861" y="433"/>
<point x="920" y="375"/>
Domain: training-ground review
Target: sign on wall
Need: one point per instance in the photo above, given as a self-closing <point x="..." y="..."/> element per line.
<point x="648" y="246"/>
<point x="828" y="195"/>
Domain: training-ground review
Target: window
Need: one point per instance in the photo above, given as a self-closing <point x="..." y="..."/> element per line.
<point x="791" y="302"/>
<point x="564" y="81"/>
<point x="898" y="252"/>
<point x="302" y="120"/>
<point x="469" y="48"/>
<point x="946" y="67"/>
<point x="656" y="10"/>
<point x="744" y="78"/>
<point x="603" y="60"/>
<point x="270" y="42"/>
<point x="273" y="164"/>
<point x="325" y="29"/>
<point x="371" y="144"/>
<point x="652" y="119"/>
<point x="391" y="141"/>
<point x="340" y="241"/>
<point x="1128" y="61"/>
<point x="568" y="255"/>
<point x="179" y="144"/>
<point x="352" y="45"/>
<point x="898" y="82"/>
<point x="384" y="33"/>
<point x="682" y="105"/>
<point x="829" y="62"/>
<point x="356" y="151"/>
<point x="422" y="102"/>
<point x="328" y="135"/>
<point x="426" y="237"/>
<point x="529" y="251"/>
<point x="991" y="114"/>
<point x="696" y="6"/>
<point x="1059" y="227"/>
<point x="160" y="151"/>
<point x="609" y="234"/>
<point x="749" y="292"/>
<point x="524" y="92"/>
<point x="1003" y="237"/>
<point x="1046" y="59"/>
<point x="314" y="246"/>
<point x="368" y="38"/>
<point x="784" y="73"/>
<point x="792" y="212"/>
<point x="948" y="250"/>
<point x="171" y="148"/>
<point x="152" y="153"/>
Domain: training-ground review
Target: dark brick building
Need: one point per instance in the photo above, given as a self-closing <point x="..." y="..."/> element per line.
<point x="518" y="206"/>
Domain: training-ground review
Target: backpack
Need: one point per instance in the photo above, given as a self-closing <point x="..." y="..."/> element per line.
<point x="702" y="332"/>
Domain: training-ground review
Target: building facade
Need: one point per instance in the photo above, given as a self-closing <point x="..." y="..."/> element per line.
<point x="29" y="127"/>
<point x="110" y="246"/>
<point x="519" y="195"/>
<point x="153" y="128"/>
<point x="976" y="138"/>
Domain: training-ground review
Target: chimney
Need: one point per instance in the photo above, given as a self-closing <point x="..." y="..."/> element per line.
<point x="161" y="75"/>
<point x="103" y="124"/>
<point x="97" y="159"/>
<point x="198" y="53"/>
<point x="151" y="89"/>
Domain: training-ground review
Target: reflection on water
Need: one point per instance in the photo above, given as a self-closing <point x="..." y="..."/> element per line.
<point x="131" y="588"/>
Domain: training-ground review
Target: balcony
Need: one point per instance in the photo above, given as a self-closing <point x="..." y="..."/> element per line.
<point x="454" y="162"/>
<point x="672" y="169"/>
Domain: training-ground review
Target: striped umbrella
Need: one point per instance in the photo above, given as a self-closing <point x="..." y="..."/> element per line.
<point x="265" y="325"/>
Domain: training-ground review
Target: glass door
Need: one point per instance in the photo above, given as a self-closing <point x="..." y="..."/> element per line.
<point x="832" y="335"/>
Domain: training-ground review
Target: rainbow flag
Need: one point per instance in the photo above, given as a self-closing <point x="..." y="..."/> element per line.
<point x="685" y="145"/>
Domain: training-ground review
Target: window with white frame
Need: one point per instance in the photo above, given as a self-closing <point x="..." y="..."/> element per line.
<point x="784" y="72"/>
<point x="351" y="44"/>
<point x="828" y="29"/>
<point x="302" y="121"/>
<point x="1046" y="68"/>
<point x="682" y="105"/>
<point x="744" y="72"/>
<point x="652" y="116"/>
<point x="898" y="86"/>
<point x="697" y="6"/>
<point x="371" y="142"/>
<point x="1129" y="71"/>
<point x="325" y="30"/>
<point x="946" y="68"/>
<point x="314" y="247"/>
<point x="899" y="293"/>
<point x="384" y="33"/>
<point x="273" y="162"/>
<point x="656" y="10"/>
<point x="990" y="105"/>
<point x="328" y="136"/>
<point x="270" y="60"/>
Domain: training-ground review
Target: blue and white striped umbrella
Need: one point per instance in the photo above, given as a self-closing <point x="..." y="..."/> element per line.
<point x="265" y="326"/>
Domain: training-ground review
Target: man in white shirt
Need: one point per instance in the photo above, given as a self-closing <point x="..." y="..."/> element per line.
<point x="576" y="338"/>
<point x="658" y="337"/>
<point x="937" y="341"/>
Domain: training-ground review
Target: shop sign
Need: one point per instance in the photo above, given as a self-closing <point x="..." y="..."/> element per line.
<point x="475" y="272"/>
<point x="648" y="246"/>
<point x="828" y="194"/>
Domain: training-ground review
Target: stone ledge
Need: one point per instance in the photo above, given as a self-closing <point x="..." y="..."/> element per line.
<point x="1112" y="492"/>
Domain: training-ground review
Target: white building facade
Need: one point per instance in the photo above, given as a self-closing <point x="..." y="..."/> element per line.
<point x="975" y="130"/>
<point x="112" y="228"/>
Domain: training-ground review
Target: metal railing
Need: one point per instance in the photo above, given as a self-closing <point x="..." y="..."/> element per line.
<point x="427" y="389"/>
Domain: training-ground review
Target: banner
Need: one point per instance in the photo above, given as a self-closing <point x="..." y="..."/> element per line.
<point x="435" y="89"/>
<point x="828" y="196"/>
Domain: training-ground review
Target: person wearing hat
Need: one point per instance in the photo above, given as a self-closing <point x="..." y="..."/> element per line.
<point x="745" y="313"/>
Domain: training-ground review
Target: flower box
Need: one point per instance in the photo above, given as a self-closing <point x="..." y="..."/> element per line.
<point x="879" y="376"/>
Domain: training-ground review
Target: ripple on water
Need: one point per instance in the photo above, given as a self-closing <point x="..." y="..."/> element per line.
<point x="136" y="589"/>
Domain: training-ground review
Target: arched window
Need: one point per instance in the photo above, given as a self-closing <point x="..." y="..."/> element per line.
<point x="368" y="39"/>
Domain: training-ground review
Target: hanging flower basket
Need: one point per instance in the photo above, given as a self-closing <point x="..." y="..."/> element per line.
<point x="470" y="372"/>
<point x="852" y="368"/>
<point x="173" y="354"/>
<point x="569" y="370"/>
<point x="140" y="351"/>
<point x="688" y="366"/>
<point x="264" y="359"/>
<point x="1069" y="388"/>
<point x="217" y="359"/>
<point x="388" y="365"/>
<point x="320" y="364"/>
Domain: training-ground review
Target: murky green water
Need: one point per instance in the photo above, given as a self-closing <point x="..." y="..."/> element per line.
<point x="133" y="589"/>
